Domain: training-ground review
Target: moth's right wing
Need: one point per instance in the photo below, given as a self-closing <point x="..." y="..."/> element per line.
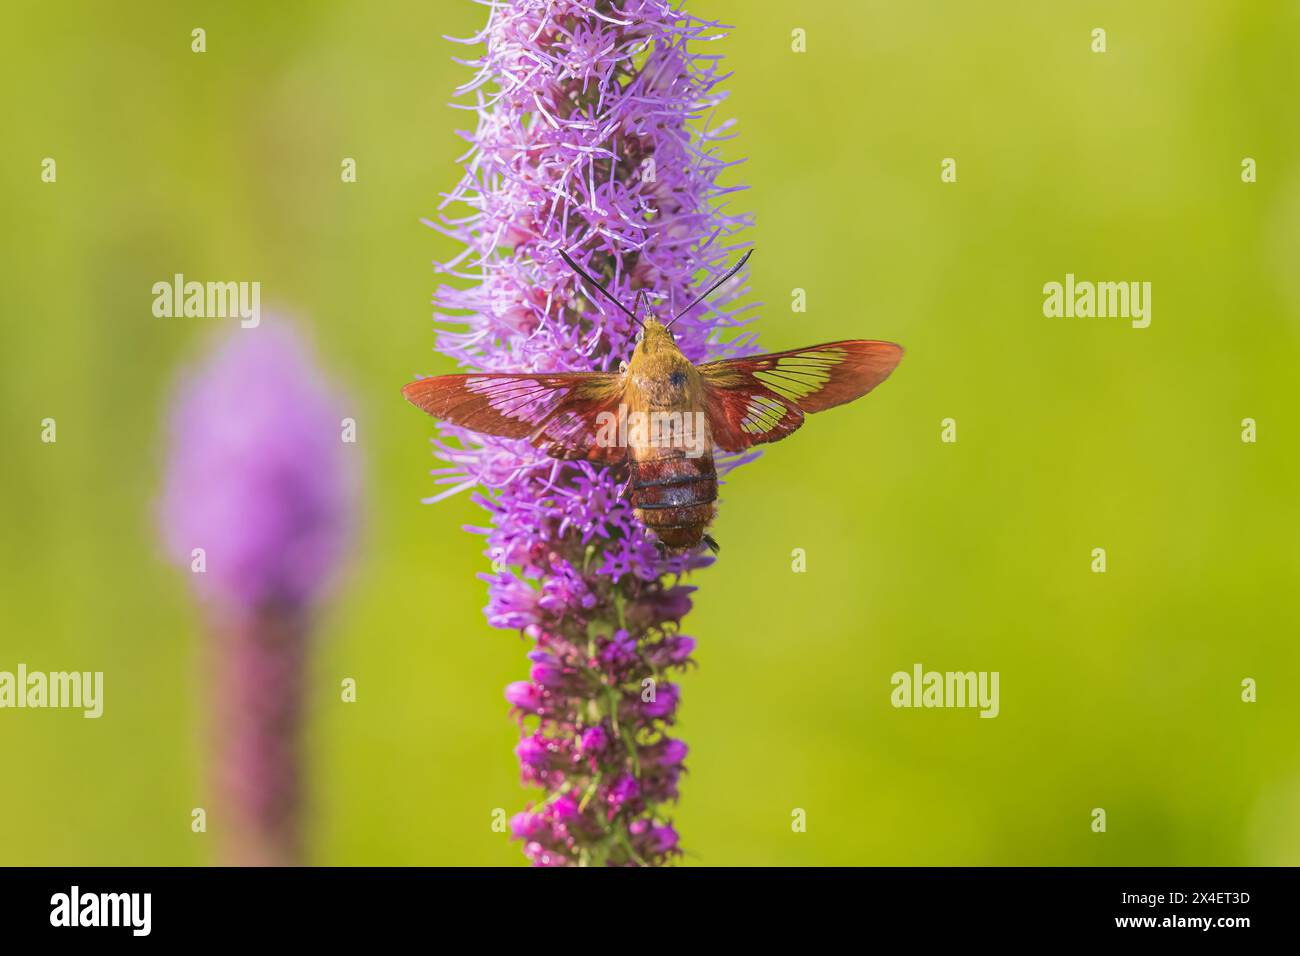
<point x="763" y="398"/>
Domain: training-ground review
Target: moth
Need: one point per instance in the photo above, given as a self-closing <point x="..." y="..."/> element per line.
<point x="660" y="417"/>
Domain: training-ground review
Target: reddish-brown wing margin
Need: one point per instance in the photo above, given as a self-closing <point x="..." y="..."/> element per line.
<point x="764" y="398"/>
<point x="554" y="411"/>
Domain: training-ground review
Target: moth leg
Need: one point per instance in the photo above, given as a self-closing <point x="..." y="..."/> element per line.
<point x="712" y="543"/>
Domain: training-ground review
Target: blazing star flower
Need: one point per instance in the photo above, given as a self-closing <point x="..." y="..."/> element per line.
<point x="257" y="503"/>
<point x="594" y="136"/>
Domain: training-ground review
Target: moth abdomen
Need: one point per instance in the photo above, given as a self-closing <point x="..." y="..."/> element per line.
<point x="674" y="495"/>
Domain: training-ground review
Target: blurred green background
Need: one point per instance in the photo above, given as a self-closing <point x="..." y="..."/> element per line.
<point x="1118" y="690"/>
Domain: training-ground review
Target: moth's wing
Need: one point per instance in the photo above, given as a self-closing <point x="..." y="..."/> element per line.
<point x="558" y="412"/>
<point x="764" y="398"/>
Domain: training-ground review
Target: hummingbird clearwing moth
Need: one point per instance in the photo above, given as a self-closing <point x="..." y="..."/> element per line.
<point x="660" y="415"/>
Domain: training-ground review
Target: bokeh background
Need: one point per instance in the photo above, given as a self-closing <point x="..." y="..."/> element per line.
<point x="1119" y="690"/>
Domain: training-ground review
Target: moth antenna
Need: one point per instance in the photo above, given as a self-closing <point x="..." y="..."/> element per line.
<point x="603" y="291"/>
<point x="709" y="291"/>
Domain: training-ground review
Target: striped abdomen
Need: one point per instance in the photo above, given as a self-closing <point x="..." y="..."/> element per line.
<point x="673" y="496"/>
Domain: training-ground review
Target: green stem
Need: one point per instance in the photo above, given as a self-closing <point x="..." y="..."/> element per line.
<point x="627" y="845"/>
<point x="619" y="601"/>
<point x="591" y="792"/>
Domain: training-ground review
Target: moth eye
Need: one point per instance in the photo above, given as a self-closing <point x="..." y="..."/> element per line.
<point x="640" y="336"/>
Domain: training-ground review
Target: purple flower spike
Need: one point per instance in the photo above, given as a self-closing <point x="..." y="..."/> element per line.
<point x="256" y="505"/>
<point x="258" y="475"/>
<point x="594" y="136"/>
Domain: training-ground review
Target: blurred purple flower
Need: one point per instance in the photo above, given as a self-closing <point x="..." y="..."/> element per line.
<point x="258" y="478"/>
<point x="257" y="474"/>
<point x="593" y="136"/>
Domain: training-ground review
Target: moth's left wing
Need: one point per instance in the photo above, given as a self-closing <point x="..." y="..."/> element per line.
<point x="559" y="412"/>
<point x="764" y="398"/>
